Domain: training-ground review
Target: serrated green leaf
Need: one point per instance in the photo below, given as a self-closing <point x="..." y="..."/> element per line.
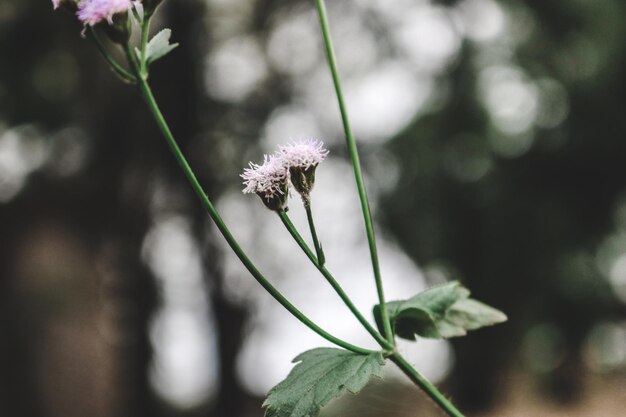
<point x="320" y="375"/>
<point x="440" y="312"/>
<point x="159" y="46"/>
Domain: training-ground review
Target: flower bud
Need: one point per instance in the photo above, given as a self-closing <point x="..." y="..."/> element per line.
<point x="302" y="179"/>
<point x="275" y="202"/>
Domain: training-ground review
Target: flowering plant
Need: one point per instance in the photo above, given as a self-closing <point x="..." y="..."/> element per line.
<point x="324" y="373"/>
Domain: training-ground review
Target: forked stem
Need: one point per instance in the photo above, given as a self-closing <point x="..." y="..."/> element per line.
<point x="214" y="214"/>
<point x="284" y="217"/>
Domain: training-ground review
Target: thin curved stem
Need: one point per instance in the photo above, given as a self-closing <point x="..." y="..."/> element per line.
<point x="132" y="60"/>
<point x="284" y="217"/>
<point x="425" y="385"/>
<point x="321" y="258"/>
<point x="356" y="164"/>
<point x="215" y="216"/>
<point x="120" y="71"/>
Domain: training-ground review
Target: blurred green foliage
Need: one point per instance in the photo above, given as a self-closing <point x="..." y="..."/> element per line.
<point x="520" y="216"/>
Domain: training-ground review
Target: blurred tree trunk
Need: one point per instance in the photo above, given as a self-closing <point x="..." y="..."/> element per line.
<point x="105" y="211"/>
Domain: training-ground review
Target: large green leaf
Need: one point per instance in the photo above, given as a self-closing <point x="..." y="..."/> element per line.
<point x="320" y="375"/>
<point x="440" y="312"/>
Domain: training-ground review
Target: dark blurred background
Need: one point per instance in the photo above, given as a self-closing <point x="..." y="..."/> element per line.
<point x="493" y="136"/>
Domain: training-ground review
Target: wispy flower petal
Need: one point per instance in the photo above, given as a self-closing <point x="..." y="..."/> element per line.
<point x="304" y="153"/>
<point x="92" y="12"/>
<point x="269" y="181"/>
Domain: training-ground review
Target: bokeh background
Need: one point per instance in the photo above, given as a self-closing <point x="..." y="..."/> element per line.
<point x="493" y="139"/>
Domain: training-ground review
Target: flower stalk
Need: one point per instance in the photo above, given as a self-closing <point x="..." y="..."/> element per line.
<point x="145" y="31"/>
<point x="120" y="71"/>
<point x="302" y="158"/>
<point x="356" y="165"/>
<point x="321" y="258"/>
<point x="419" y="380"/>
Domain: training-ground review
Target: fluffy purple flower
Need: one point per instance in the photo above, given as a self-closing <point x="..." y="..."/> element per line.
<point x="302" y="158"/>
<point x="269" y="181"/>
<point x="92" y="12"/>
<point x="303" y="154"/>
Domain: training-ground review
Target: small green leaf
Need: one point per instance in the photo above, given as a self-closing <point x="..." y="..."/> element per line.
<point x="320" y="375"/>
<point x="440" y="312"/>
<point x="159" y="46"/>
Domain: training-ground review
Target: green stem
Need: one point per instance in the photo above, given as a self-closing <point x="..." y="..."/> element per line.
<point x="425" y="385"/>
<point x="145" y="30"/>
<point x="356" y="164"/>
<point x="215" y="216"/>
<point x="415" y="376"/>
<point x="321" y="258"/>
<point x="332" y="281"/>
<point x="132" y="59"/>
<point x="113" y="64"/>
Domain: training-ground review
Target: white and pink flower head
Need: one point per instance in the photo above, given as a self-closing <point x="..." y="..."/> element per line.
<point x="302" y="157"/>
<point x="270" y="181"/>
<point x="304" y="153"/>
<point x="295" y="162"/>
<point x="92" y="12"/>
